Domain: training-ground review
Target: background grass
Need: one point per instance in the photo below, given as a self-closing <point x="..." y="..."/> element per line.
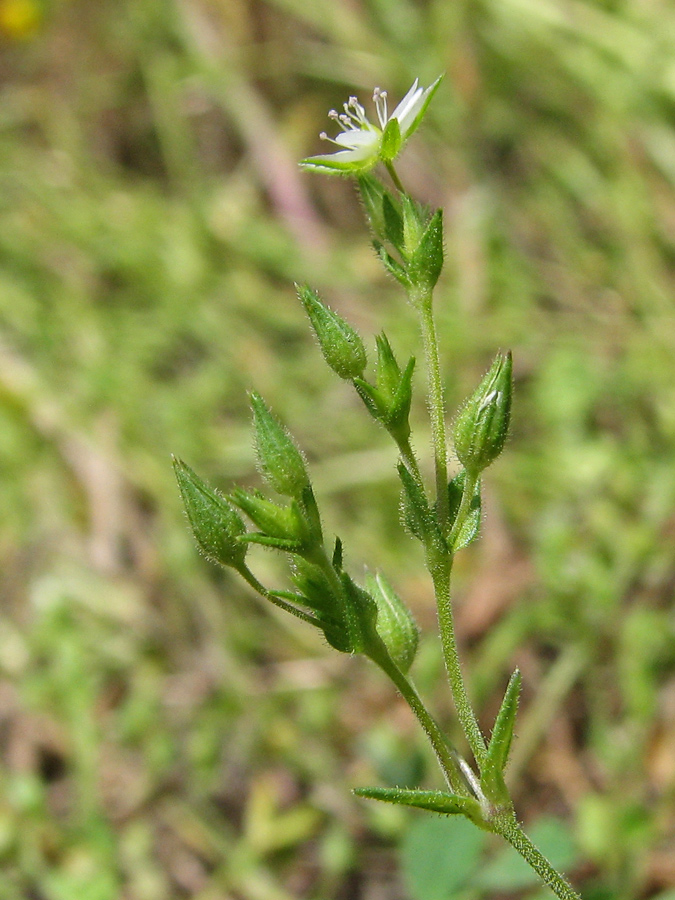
<point x="162" y="735"/>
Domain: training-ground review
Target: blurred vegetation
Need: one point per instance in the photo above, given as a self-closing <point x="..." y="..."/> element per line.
<point x="162" y="735"/>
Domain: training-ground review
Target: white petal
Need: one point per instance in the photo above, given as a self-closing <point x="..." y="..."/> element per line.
<point x="357" y="139"/>
<point x="407" y="101"/>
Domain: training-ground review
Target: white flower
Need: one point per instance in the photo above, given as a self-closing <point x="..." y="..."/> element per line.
<point x="361" y="143"/>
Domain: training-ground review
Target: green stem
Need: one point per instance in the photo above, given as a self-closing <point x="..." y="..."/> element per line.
<point x="250" y="579"/>
<point x="441" y="578"/>
<point x="509" y="829"/>
<point x="436" y="404"/>
<point x="447" y="756"/>
<point x="398" y="184"/>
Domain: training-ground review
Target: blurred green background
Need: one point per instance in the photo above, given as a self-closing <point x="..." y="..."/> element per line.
<point x="162" y="734"/>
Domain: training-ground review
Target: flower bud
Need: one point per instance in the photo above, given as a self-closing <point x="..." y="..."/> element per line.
<point x="482" y="425"/>
<point x="341" y="346"/>
<point x="280" y="459"/>
<point x="395" y="624"/>
<point x="215" y="524"/>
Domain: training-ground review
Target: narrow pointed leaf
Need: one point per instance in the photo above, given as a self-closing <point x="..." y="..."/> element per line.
<point x="492" y="776"/>
<point x="434" y="801"/>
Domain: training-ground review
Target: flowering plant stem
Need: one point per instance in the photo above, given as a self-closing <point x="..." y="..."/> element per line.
<point x="373" y="620"/>
<point x="504" y="823"/>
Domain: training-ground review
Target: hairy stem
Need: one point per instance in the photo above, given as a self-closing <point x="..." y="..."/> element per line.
<point x="465" y="713"/>
<point x="250" y="579"/>
<point x="509" y="829"/>
<point x="436" y="404"/>
<point x="394" y="177"/>
<point x="447" y="756"/>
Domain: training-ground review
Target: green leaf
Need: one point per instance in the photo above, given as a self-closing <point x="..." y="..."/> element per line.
<point x="440" y="857"/>
<point x="433" y="801"/>
<point x="492" y="775"/>
<point x="469" y="530"/>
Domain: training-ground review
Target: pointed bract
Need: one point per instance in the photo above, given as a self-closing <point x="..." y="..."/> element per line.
<point x="434" y="801"/>
<point x="492" y="774"/>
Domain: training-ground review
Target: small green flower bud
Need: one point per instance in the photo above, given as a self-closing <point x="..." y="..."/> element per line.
<point x="395" y="624"/>
<point x="341" y="346"/>
<point x="482" y="425"/>
<point x="280" y="459"/>
<point x="215" y="524"/>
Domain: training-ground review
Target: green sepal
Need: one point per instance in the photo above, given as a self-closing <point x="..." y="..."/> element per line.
<point x="393" y="221"/>
<point x="395" y="623"/>
<point x="290" y="598"/>
<point x="391" y="141"/>
<point x="415" y="219"/>
<point x="280" y="459"/>
<point x="426" y="262"/>
<point x="433" y="801"/>
<point x="216" y="525"/>
<point x="391" y="265"/>
<point x="399" y="411"/>
<point x="417" y="515"/>
<point x="469" y="530"/>
<point x="482" y="425"/>
<point x="315" y="587"/>
<point x="361" y="615"/>
<point x="341" y="346"/>
<point x="337" y="555"/>
<point x="492" y="770"/>
<point x="372" y="399"/>
<point x="325" y="165"/>
<point x="285" y="523"/>
<point x="389" y="399"/>
<point x="275" y="543"/>
<point x="371" y="192"/>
